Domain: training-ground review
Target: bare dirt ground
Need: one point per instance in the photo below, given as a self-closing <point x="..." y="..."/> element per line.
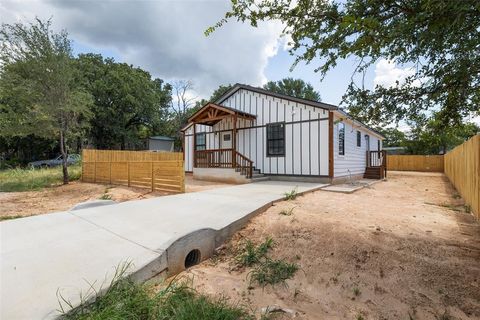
<point x="65" y="197"/>
<point x="400" y="249"/>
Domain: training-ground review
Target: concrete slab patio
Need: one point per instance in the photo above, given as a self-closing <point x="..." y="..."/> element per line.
<point x="68" y="253"/>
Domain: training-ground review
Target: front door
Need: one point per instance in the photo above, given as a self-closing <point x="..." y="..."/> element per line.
<point x="226" y="140"/>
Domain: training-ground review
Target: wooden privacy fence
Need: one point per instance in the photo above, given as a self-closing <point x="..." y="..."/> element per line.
<point x="433" y="163"/>
<point x="462" y="167"/>
<point x="162" y="171"/>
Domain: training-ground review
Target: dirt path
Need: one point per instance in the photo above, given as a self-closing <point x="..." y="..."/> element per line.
<point x="401" y="249"/>
<point x="14" y="204"/>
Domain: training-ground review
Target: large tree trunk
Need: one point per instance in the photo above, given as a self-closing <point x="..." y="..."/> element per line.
<point x="64" y="157"/>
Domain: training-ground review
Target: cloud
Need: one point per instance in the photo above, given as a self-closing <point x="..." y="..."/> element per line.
<point x="163" y="37"/>
<point x="387" y="73"/>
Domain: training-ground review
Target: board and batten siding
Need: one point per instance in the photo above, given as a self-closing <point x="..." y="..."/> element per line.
<point x="306" y="134"/>
<point x="354" y="160"/>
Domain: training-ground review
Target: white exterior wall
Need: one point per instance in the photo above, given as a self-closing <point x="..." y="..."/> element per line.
<point x="355" y="157"/>
<point x="306" y="142"/>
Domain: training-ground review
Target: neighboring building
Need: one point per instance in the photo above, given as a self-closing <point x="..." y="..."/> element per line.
<point x="160" y="143"/>
<point x="249" y="132"/>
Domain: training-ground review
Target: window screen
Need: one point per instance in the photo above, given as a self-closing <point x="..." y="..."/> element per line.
<point x="341" y="138"/>
<point x="276" y="139"/>
<point x="201" y="141"/>
<point x="359" y="139"/>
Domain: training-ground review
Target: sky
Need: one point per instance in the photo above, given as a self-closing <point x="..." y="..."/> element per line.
<point x="167" y="39"/>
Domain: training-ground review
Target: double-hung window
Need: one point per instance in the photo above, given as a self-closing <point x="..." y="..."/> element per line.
<point x="276" y="139"/>
<point x="341" y="138"/>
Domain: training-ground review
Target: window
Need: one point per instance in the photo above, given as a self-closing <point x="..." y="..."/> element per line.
<point x="201" y="141"/>
<point x="341" y="138"/>
<point x="359" y="139"/>
<point x="276" y="139"/>
<point x="226" y="137"/>
<point x="378" y="145"/>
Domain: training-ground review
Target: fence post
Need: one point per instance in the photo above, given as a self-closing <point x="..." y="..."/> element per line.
<point x="152" y="175"/>
<point x="128" y="173"/>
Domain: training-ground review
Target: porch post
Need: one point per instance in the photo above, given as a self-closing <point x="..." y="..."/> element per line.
<point x="234" y="141"/>
<point x="194" y="145"/>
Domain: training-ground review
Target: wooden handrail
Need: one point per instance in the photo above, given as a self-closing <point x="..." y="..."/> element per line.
<point x="378" y="159"/>
<point x="224" y="158"/>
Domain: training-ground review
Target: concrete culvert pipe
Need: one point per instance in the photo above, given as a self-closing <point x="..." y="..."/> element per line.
<point x="192" y="258"/>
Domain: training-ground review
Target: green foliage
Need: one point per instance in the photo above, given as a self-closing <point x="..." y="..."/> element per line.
<point x="39" y="90"/>
<point x="429" y="136"/>
<point x="438" y="39"/>
<point x="251" y="254"/>
<point x="292" y="195"/>
<point x="14" y="180"/>
<point x="2" y="218"/>
<point x="126" y="299"/>
<point x="128" y="104"/>
<point x="293" y="87"/>
<point x="273" y="272"/>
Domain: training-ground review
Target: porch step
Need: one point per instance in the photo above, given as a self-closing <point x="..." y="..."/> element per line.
<point x="257" y="178"/>
<point x="373" y="173"/>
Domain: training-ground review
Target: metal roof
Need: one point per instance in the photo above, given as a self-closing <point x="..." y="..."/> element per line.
<point x="164" y="138"/>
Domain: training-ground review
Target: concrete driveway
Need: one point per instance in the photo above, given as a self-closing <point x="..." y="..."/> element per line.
<point x="68" y="252"/>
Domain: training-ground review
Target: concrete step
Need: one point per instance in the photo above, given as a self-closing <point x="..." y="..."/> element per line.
<point x="257" y="179"/>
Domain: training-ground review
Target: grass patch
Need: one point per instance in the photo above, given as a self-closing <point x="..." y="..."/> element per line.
<point x="287" y="212"/>
<point x="14" y="180"/>
<point x="251" y="254"/>
<point x="105" y="196"/>
<point x="2" y="218"/>
<point x="128" y="300"/>
<point x="356" y="291"/>
<point x="292" y="195"/>
<point x="273" y="272"/>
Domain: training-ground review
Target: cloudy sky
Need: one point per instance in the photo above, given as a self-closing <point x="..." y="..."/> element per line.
<point x="167" y="38"/>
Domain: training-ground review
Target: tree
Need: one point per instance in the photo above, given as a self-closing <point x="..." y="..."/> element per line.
<point x="393" y="137"/>
<point x="432" y="137"/>
<point x="39" y="91"/>
<point x="217" y="93"/>
<point x="293" y="87"/>
<point x="438" y="39"/>
<point x="128" y="104"/>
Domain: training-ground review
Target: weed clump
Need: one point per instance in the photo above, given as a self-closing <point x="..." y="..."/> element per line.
<point x="251" y="254"/>
<point x="273" y="272"/>
<point x="265" y="270"/>
<point x="292" y="195"/>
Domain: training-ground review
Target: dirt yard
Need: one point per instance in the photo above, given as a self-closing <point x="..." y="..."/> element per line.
<point x="400" y="249"/>
<point x="16" y="204"/>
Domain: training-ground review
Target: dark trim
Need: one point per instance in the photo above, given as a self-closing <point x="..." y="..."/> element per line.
<point x="284" y="143"/>
<point x="264" y="125"/>
<point x="311" y="103"/>
<point x="330" y="144"/>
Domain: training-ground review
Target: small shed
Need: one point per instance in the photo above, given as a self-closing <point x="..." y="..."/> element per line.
<point x="161" y="143"/>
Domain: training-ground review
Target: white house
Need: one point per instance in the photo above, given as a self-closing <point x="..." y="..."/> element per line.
<point x="250" y="133"/>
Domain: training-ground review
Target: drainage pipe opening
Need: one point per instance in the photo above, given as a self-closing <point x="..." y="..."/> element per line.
<point x="192" y="258"/>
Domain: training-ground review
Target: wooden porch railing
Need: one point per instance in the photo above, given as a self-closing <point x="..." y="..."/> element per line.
<point x="244" y="165"/>
<point x="223" y="158"/>
<point x="378" y="159"/>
